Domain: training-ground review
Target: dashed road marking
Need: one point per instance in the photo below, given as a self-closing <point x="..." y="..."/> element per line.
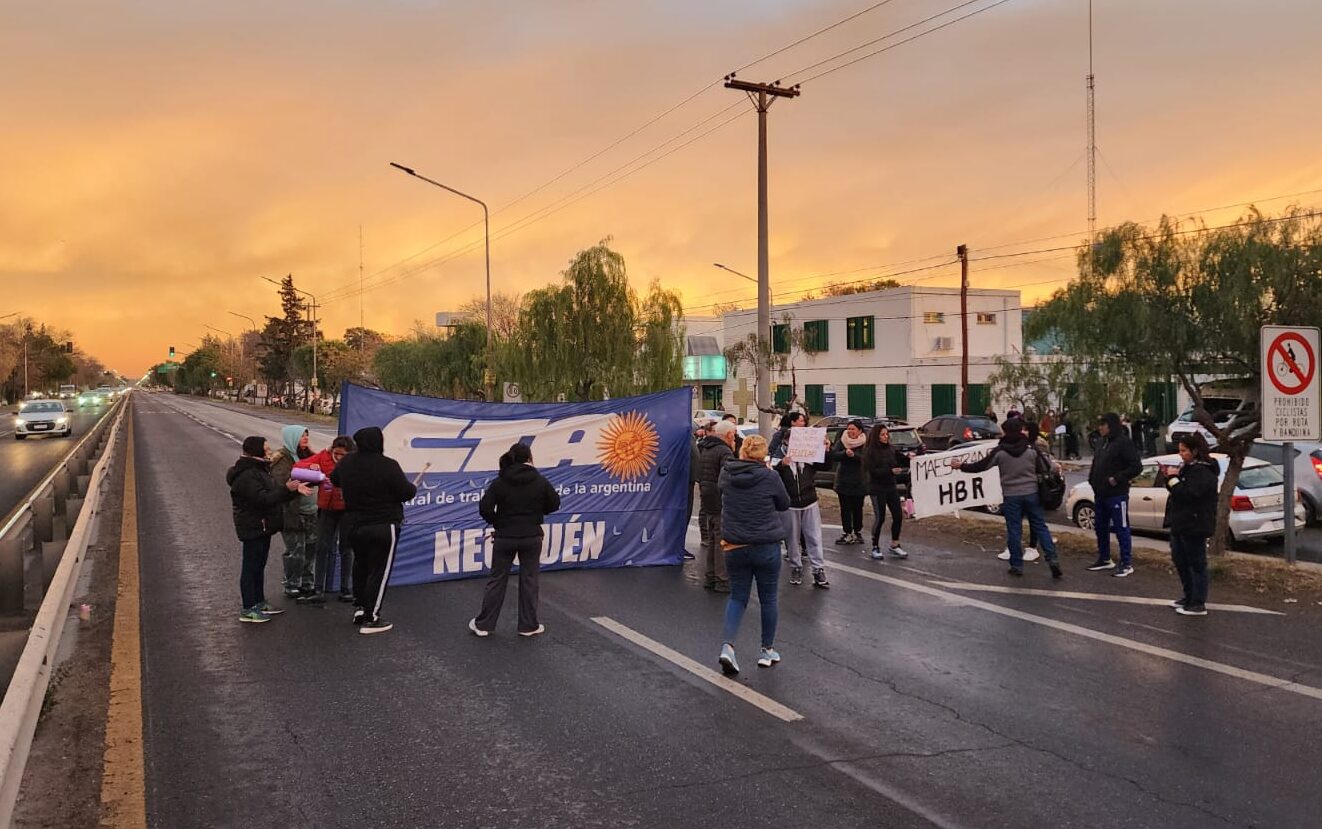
<point x="726" y="684"/>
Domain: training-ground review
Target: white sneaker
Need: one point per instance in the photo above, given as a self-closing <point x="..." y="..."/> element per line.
<point x="1031" y="554"/>
<point x="472" y="625"/>
<point x="1005" y="554"/>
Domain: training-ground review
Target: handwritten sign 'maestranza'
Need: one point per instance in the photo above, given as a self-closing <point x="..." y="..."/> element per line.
<point x="937" y="489"/>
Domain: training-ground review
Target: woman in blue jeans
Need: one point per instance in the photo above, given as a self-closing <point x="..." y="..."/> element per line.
<point x="752" y="498"/>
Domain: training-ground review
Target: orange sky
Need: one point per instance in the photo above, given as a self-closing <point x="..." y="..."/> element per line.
<point x="159" y="158"/>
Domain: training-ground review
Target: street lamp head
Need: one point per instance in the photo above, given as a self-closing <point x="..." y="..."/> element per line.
<point x="408" y="170"/>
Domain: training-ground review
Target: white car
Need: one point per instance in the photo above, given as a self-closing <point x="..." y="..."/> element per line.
<point x="1256" y="506"/>
<point x="1223" y="411"/>
<point x="702" y="416"/>
<point x="43" y="417"/>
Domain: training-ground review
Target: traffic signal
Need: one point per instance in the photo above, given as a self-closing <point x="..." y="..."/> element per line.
<point x="171" y="352"/>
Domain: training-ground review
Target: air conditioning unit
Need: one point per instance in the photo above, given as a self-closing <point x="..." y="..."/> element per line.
<point x="944" y="343"/>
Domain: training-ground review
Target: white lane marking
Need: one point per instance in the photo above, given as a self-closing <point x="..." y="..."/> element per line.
<point x="1119" y="641"/>
<point x="1094" y="597"/>
<point x="744" y="693"/>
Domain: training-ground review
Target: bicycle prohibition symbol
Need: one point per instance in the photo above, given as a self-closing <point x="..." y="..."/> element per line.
<point x="1291" y="363"/>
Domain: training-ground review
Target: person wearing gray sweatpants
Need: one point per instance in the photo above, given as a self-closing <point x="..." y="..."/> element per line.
<point x="803" y="521"/>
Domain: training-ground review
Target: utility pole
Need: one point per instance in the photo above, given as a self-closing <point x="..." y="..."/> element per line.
<point x="362" y="341"/>
<point x="1092" y="148"/>
<point x="762" y="95"/>
<point x="963" y="253"/>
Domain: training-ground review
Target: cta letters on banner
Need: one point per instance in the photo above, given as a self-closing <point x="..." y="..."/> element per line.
<point x="937" y="489"/>
<point x="621" y="467"/>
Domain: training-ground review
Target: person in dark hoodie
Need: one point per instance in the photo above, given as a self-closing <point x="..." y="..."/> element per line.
<point x="1114" y="465"/>
<point x="715" y="451"/>
<point x="752" y="501"/>
<point x="803" y="520"/>
<point x="515" y="504"/>
<point x="375" y="490"/>
<point x="1191" y="516"/>
<point x="850" y="486"/>
<point x="1019" y="463"/>
<point x="258" y="503"/>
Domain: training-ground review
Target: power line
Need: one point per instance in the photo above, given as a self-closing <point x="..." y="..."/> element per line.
<point x="807" y="38"/>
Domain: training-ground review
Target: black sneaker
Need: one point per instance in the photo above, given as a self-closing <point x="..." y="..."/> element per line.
<point x="1055" y="570"/>
<point x="1179" y="603"/>
<point x="845" y="539"/>
<point x="359" y="616"/>
<point x="1192" y="610"/>
<point x="1124" y="572"/>
<point x="310" y="597"/>
<point x="1016" y="571"/>
<point x="689" y="556"/>
<point x="796" y="575"/>
<point x="346" y="597"/>
<point x="1103" y="565"/>
<point x="377" y="625"/>
<point x="819" y="579"/>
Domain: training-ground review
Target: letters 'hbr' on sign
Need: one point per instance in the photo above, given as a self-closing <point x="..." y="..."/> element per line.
<point x="1291" y="391"/>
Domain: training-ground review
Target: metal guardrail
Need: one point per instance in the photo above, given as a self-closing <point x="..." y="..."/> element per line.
<point x="68" y="497"/>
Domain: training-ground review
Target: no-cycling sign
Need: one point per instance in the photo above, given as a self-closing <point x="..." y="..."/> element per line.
<point x="1291" y="392"/>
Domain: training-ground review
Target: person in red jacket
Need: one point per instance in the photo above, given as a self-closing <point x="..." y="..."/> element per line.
<point x="330" y="512"/>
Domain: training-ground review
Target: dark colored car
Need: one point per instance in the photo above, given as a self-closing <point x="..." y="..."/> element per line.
<point x="903" y="437"/>
<point x="941" y="433"/>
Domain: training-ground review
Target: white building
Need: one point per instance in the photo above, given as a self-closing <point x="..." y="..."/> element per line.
<point x="894" y="352"/>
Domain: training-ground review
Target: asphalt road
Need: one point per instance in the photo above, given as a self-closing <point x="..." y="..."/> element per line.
<point x="26" y="462"/>
<point x="925" y="699"/>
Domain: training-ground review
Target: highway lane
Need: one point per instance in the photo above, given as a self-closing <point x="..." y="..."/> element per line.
<point x="922" y="703"/>
<point x="25" y="462"/>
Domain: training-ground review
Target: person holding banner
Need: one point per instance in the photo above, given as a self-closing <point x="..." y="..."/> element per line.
<point x="881" y="463"/>
<point x="803" y="520"/>
<point x="780" y="441"/>
<point x="375" y="490"/>
<point x="1019" y="462"/>
<point x="752" y="501"/>
<point x="515" y="505"/>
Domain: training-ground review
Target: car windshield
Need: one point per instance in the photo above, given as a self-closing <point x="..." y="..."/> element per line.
<point x="32" y="408"/>
<point x="981" y="423"/>
<point x="905" y="439"/>
<point x="1261" y="477"/>
<point x="1221" y="408"/>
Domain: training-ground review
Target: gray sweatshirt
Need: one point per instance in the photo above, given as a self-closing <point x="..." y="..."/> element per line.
<point x="1017" y="462"/>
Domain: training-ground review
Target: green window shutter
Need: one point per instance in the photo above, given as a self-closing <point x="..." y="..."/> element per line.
<point x="782" y="396"/>
<point x="943" y="399"/>
<point x="862" y="400"/>
<point x="780" y="338"/>
<point x="815" y="335"/>
<point x="978" y="399"/>
<point x="814" y="398"/>
<point x="897" y="401"/>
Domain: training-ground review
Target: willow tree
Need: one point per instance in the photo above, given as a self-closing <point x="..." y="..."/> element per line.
<point x="660" y="341"/>
<point x="1186" y="301"/>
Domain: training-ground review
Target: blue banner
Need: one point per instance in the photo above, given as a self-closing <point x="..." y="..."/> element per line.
<point x="621" y="468"/>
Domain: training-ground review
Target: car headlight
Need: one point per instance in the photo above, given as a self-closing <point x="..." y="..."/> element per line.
<point x="60" y="421"/>
<point x="18" y="421"/>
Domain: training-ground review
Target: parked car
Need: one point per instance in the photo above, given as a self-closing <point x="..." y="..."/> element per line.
<point x="42" y="417"/>
<point x="946" y="431"/>
<point x="702" y="416"/>
<point x="903" y="437"/>
<point x="1256" y="506"/>
<point x="1307" y="471"/>
<point x="1223" y="405"/>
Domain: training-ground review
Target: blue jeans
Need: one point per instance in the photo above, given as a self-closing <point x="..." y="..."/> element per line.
<point x="1016" y="508"/>
<point x="743" y="565"/>
<point x="1113" y="516"/>
<point x="252" y="576"/>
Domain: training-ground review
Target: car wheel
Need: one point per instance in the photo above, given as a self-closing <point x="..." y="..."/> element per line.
<point x="17" y="436"/>
<point x="1085" y="515"/>
<point x="1310" y="512"/>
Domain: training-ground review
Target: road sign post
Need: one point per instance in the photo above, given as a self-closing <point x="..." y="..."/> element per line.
<point x="1291" y="402"/>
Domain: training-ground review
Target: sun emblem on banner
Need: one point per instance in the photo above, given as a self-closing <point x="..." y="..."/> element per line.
<point x="628" y="446"/>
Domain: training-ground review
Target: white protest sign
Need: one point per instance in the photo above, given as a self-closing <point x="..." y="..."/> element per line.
<point x="937" y="489"/>
<point x="807" y="445"/>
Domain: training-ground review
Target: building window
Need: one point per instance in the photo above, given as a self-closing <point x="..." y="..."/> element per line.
<point x="934" y="317"/>
<point x="705" y="367"/>
<point x="858" y="332"/>
<point x="814" y="399"/>
<point x="815" y="336"/>
<point x="862" y="399"/>
<point x="780" y="338"/>
<point x="985" y="318"/>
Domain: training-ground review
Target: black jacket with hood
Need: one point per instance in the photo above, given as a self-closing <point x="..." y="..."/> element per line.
<point x="713" y="454"/>
<point x="258" y="500"/>
<point x="752" y="499"/>
<point x="1191" y="503"/>
<point x="374" y="486"/>
<point x="800" y="481"/>
<point x="1116" y="459"/>
<point x="516" y="503"/>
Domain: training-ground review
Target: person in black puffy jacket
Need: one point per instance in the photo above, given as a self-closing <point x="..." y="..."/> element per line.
<point x="1114" y="465"/>
<point x="258" y="514"/>
<point x="1191" y="516"/>
<point x="515" y="504"/>
<point x="715" y="450"/>
<point x="850" y="486"/>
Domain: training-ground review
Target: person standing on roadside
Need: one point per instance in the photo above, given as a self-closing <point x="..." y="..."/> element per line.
<point x="258" y="503"/>
<point x="1038" y="442"/>
<point x="803" y="520"/>
<point x="1019" y="463"/>
<point x="1114" y="465"/>
<point x="716" y="450"/>
<point x="515" y="505"/>
<point x="1191" y="517"/>
<point x="330" y="511"/>
<point x="780" y="441"/>
<point x="752" y="500"/>
<point x="375" y="490"/>
<point x="881" y="464"/>
<point x="300" y="532"/>
<point x="850" y="487"/>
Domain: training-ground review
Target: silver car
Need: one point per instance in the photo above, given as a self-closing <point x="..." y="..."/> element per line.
<point x="1307" y="470"/>
<point x="43" y="417"/>
<point x="1256" y="506"/>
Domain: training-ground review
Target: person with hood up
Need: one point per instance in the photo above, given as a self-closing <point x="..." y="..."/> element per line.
<point x="850" y="488"/>
<point x="715" y="451"/>
<point x="258" y="503"/>
<point x="515" y="505"/>
<point x="1019" y="463"/>
<point x="330" y="509"/>
<point x="1191" y="516"/>
<point x="375" y="490"/>
<point x="300" y="532"/>
<point x="1114" y="465"/>
<point x="752" y="500"/>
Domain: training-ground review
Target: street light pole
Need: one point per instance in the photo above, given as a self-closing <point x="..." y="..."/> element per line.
<point x="244" y="351"/>
<point x="489" y="375"/>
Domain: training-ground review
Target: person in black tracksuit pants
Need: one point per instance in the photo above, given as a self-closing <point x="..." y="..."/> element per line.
<point x="515" y="505"/>
<point x="375" y="490"/>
